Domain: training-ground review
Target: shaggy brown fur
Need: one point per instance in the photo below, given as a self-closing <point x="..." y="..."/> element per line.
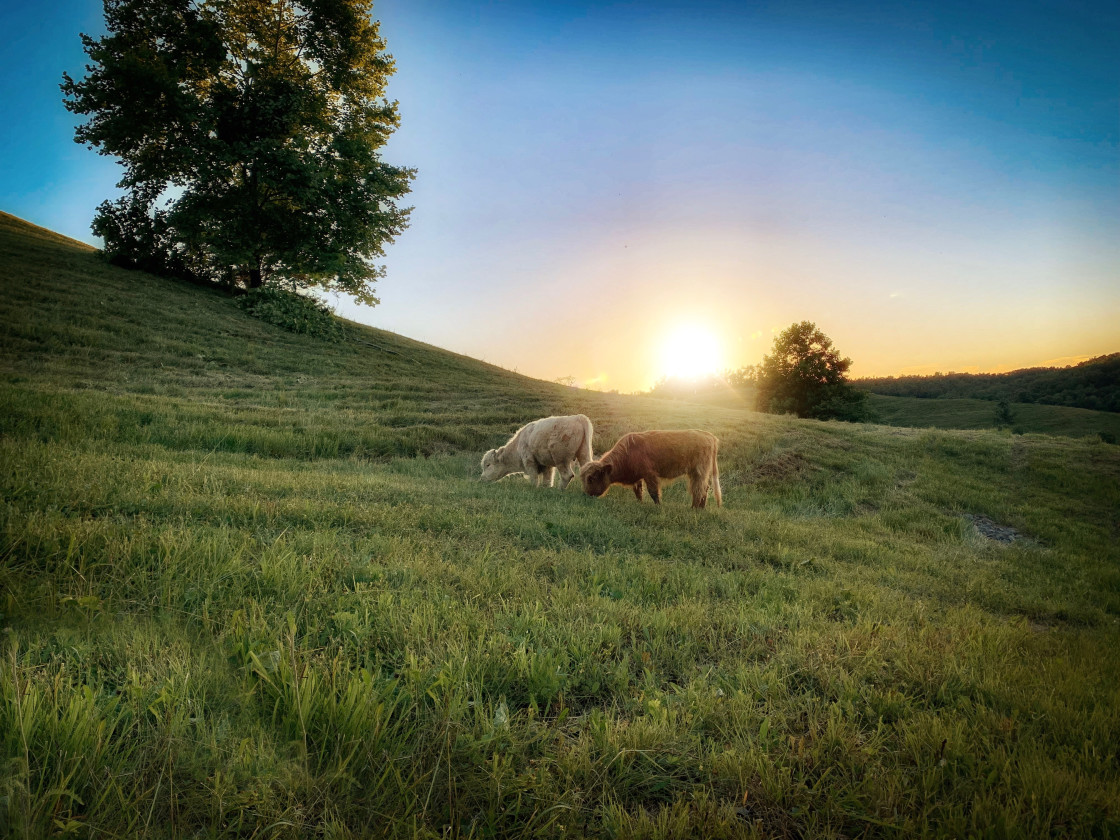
<point x="654" y="457"/>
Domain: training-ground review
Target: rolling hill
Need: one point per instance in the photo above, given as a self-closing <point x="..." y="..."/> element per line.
<point x="251" y="586"/>
<point x="945" y="413"/>
<point x="1092" y="384"/>
<point x="938" y="412"/>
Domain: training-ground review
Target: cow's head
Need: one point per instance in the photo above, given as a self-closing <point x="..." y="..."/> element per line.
<point x="596" y="478"/>
<point x="491" y="465"/>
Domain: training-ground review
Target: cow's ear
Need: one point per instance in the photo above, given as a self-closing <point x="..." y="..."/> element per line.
<point x="607" y="469"/>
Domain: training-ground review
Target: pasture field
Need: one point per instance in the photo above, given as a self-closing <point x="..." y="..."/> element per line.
<point x="943" y="413"/>
<point x="251" y="587"/>
<point x="948" y="413"/>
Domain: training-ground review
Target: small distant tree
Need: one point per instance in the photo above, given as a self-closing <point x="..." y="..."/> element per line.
<point x="1004" y="416"/>
<point x="805" y="375"/>
<point x="249" y="133"/>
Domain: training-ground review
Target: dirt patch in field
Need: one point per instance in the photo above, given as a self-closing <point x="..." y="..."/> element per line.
<point x="905" y="479"/>
<point x="992" y="530"/>
<point x="779" y="467"/>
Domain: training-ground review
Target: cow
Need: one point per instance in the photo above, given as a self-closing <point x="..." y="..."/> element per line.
<point x="655" y="457"/>
<point x="539" y="448"/>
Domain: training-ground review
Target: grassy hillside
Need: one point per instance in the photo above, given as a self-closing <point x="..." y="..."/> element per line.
<point x="980" y="414"/>
<point x="252" y="587"/>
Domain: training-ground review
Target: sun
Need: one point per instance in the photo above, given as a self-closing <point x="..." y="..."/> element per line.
<point x="690" y="352"/>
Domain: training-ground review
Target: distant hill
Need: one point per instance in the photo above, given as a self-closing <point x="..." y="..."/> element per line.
<point x="981" y="414"/>
<point x="1093" y="384"/>
<point x="923" y="413"/>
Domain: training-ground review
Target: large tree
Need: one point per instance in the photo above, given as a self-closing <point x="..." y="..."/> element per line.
<point x="250" y="132"/>
<point x="805" y="375"/>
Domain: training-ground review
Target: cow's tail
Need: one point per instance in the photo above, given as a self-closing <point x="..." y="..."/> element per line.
<point x="716" y="491"/>
<point x="584" y="454"/>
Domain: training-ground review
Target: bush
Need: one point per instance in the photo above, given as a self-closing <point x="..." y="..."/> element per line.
<point x="293" y="311"/>
<point x="843" y="402"/>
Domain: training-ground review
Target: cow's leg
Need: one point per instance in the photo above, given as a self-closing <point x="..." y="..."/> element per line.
<point x="654" y="488"/>
<point x="638" y="489"/>
<point x="547" y="474"/>
<point x="566" y="475"/>
<point x="698" y="482"/>
<point x="532" y="473"/>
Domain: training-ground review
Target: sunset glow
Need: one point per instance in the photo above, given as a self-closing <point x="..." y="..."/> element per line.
<point x="690" y="352"/>
<point x="933" y="185"/>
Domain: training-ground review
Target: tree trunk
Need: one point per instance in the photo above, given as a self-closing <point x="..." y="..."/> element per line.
<point x="256" y="273"/>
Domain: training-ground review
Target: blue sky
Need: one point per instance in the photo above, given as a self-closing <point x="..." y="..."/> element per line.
<point x="936" y="185"/>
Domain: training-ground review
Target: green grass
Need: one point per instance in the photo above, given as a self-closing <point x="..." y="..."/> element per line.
<point x="252" y="587"/>
<point x="980" y="414"/>
<point x="945" y="413"/>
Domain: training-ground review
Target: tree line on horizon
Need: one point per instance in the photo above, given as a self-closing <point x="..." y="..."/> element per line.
<point x="1092" y="384"/>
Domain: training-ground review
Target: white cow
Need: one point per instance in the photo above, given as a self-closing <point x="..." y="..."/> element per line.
<point x="537" y="449"/>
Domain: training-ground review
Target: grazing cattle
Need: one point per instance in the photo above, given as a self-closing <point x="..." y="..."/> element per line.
<point x="654" y="457"/>
<point x="539" y="448"/>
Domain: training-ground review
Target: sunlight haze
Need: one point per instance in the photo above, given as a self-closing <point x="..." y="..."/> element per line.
<point x="690" y="352"/>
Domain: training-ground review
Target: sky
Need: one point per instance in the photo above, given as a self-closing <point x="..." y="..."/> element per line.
<point x="935" y="185"/>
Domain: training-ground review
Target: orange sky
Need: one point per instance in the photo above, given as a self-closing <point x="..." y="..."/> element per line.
<point x="630" y="294"/>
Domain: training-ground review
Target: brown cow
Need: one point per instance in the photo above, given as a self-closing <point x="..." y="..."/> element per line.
<point x="653" y="457"/>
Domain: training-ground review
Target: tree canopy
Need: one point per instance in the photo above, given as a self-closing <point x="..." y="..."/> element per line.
<point x="805" y="375"/>
<point x="250" y="134"/>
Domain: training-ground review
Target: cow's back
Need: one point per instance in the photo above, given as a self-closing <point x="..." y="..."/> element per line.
<point x="671" y="453"/>
<point x="555" y="439"/>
